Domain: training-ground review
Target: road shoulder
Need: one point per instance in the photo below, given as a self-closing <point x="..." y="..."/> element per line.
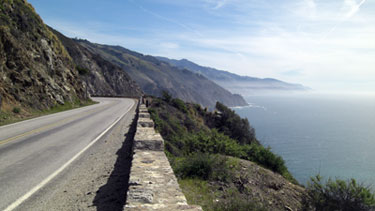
<point x="97" y="180"/>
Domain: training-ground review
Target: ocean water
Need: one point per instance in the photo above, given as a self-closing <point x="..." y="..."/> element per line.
<point x="333" y="135"/>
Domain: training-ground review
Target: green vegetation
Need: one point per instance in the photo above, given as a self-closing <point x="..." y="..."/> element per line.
<point x="207" y="180"/>
<point x="204" y="147"/>
<point x="17" y="114"/>
<point x="236" y="203"/>
<point x="82" y="70"/>
<point x="20" y="17"/>
<point x="187" y="129"/>
<point x="20" y="7"/>
<point x="338" y="195"/>
<point x="166" y="96"/>
<point x="16" y="110"/>
<point x="233" y="125"/>
<point x="200" y="192"/>
<point x="180" y="105"/>
<point x="203" y="166"/>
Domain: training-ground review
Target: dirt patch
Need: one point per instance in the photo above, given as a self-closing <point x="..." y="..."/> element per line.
<point x="268" y="188"/>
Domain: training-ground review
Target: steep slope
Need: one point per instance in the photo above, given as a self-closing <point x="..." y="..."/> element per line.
<point x="247" y="186"/>
<point x="103" y="77"/>
<point x="35" y="69"/>
<point x="155" y="76"/>
<point x="218" y="161"/>
<point x="233" y="82"/>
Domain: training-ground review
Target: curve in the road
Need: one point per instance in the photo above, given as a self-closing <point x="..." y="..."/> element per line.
<point x="109" y="114"/>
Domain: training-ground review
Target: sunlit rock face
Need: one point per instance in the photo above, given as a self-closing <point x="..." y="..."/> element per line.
<point x="101" y="76"/>
<point x="35" y="69"/>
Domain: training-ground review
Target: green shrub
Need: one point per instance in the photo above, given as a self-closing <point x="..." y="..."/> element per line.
<point x="214" y="142"/>
<point x="16" y="110"/>
<point x="338" y="195"/>
<point x="232" y="125"/>
<point x="221" y="170"/>
<point x="172" y="150"/>
<point x="159" y="123"/>
<point x="180" y="105"/>
<point x="203" y="166"/>
<point x="190" y="124"/>
<point x="265" y="157"/>
<point x="211" y="142"/>
<point x="197" y="165"/>
<point x="166" y="96"/>
<point x="82" y="70"/>
<point x="237" y="204"/>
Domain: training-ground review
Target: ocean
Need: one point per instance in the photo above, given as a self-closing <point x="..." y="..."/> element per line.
<point x="330" y="135"/>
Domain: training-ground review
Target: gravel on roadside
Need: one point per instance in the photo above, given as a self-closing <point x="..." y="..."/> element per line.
<point x="98" y="180"/>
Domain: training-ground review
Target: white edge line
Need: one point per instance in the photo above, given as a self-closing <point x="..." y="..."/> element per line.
<point x="54" y="174"/>
<point x="46" y="116"/>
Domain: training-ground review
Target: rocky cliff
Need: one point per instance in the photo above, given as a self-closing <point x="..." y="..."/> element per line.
<point x="35" y="69"/>
<point x="155" y="76"/>
<point x="101" y="76"/>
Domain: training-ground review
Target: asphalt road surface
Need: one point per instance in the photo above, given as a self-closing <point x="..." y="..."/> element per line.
<point x="34" y="152"/>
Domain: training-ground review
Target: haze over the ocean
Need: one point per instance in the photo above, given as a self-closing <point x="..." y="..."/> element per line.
<point x="326" y="45"/>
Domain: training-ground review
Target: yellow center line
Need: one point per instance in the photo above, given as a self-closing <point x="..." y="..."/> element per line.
<point x="50" y="125"/>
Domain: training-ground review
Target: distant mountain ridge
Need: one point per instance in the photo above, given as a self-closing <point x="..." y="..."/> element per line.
<point x="235" y="83"/>
<point x="40" y="68"/>
<point x="155" y="76"/>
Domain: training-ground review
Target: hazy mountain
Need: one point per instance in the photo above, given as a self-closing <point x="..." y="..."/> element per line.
<point x="154" y="76"/>
<point x="235" y="83"/>
<point x="35" y="69"/>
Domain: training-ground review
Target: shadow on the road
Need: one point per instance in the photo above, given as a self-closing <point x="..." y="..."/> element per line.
<point x="112" y="195"/>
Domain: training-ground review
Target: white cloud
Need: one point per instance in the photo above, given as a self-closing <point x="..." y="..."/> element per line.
<point x="328" y="42"/>
<point x="352" y="7"/>
<point x="305" y="8"/>
<point x="346" y="55"/>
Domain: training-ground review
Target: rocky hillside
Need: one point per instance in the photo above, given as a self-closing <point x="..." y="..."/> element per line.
<point x="236" y="184"/>
<point x="218" y="161"/>
<point x="35" y="69"/>
<point x="235" y="83"/>
<point x="103" y="77"/>
<point x="155" y="76"/>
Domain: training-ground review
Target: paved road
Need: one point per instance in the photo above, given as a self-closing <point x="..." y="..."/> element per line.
<point x="34" y="151"/>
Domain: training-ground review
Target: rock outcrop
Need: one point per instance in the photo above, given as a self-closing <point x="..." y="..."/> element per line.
<point x="101" y="76"/>
<point x="266" y="187"/>
<point x="35" y="69"/>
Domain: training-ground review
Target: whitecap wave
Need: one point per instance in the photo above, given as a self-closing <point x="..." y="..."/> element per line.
<point x="250" y="105"/>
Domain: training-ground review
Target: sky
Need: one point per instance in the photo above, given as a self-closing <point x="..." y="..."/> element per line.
<point x="328" y="45"/>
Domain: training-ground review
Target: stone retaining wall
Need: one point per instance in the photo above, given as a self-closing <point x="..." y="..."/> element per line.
<point x="152" y="183"/>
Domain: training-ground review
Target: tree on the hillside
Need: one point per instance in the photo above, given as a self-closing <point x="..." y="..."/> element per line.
<point x="233" y="125"/>
<point x="166" y="96"/>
